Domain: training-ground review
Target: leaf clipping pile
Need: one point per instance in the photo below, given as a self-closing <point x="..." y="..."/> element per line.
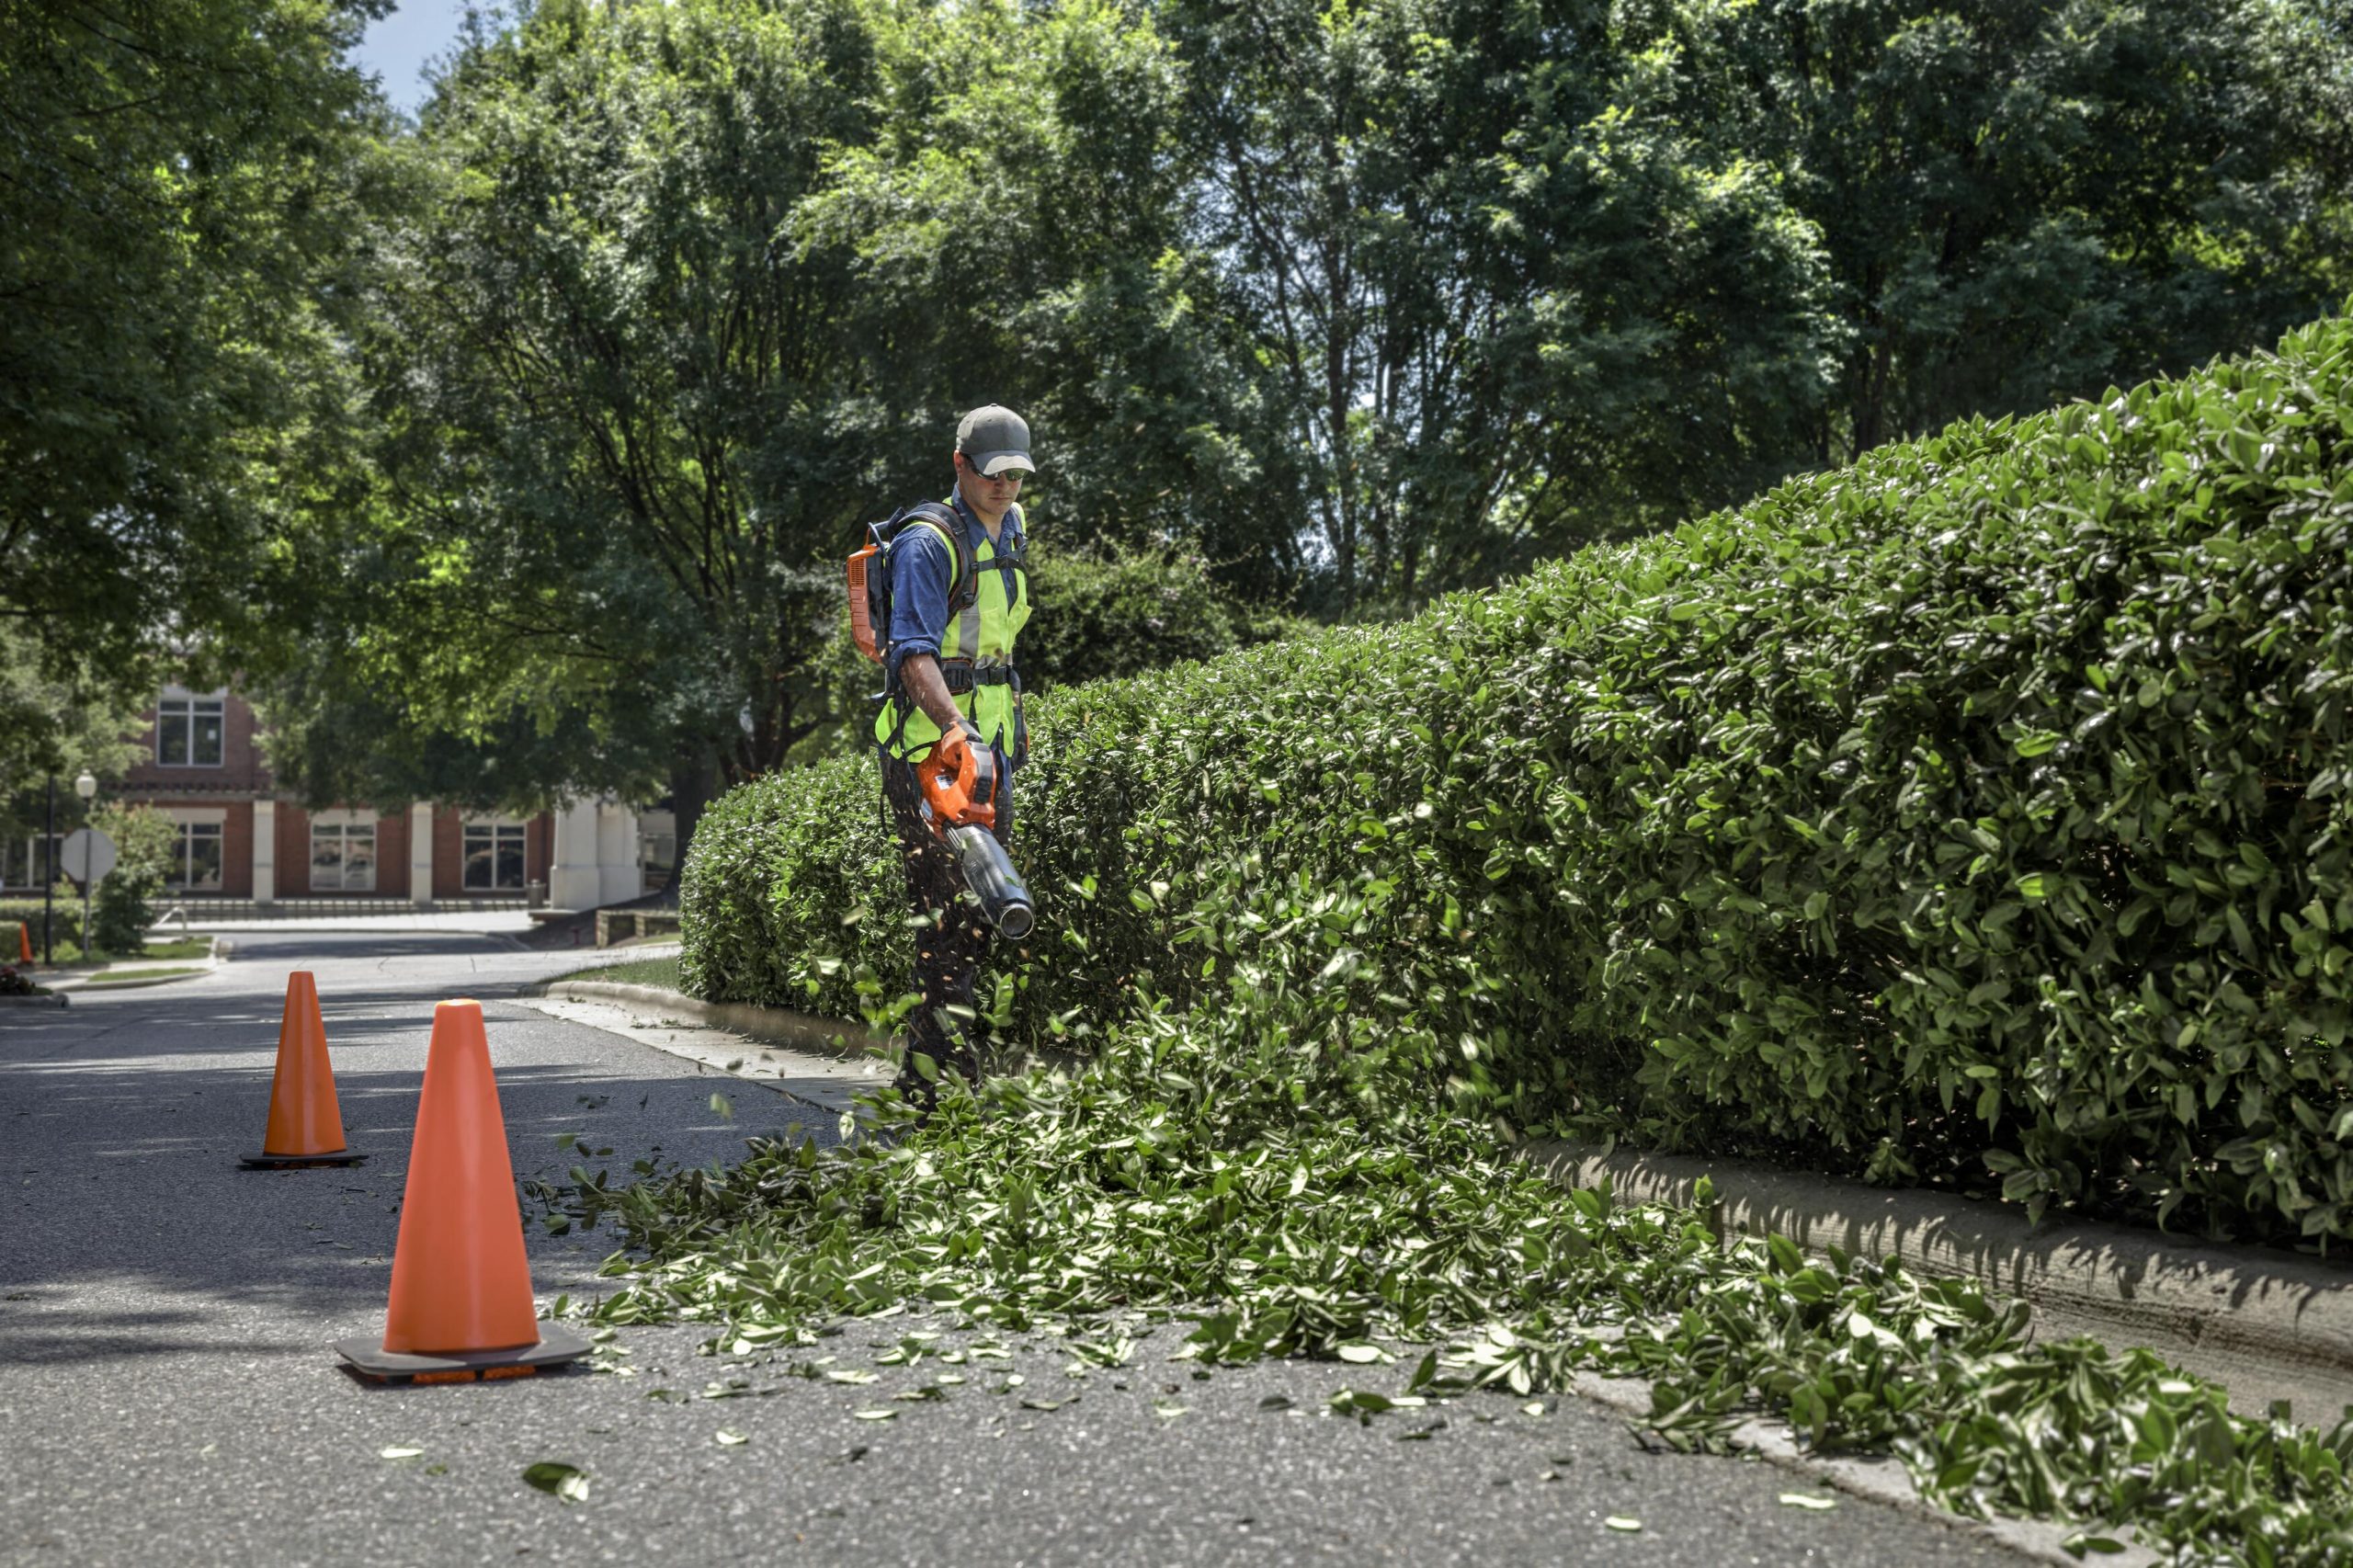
<point x="1268" y="1171"/>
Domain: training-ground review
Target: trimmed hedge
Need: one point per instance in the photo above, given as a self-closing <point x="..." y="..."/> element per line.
<point x="15" y="909"/>
<point x="1978" y="808"/>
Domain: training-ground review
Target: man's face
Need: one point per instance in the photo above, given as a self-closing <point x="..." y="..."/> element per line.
<point x="990" y="494"/>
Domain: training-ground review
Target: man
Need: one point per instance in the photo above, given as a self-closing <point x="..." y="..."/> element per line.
<point x="949" y="681"/>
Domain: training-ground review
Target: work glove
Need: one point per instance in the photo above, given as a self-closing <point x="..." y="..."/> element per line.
<point x="959" y="778"/>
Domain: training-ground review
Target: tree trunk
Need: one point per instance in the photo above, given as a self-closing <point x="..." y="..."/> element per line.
<point x="692" y="774"/>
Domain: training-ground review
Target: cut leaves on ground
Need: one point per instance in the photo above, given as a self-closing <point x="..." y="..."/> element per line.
<point x="557" y="1480"/>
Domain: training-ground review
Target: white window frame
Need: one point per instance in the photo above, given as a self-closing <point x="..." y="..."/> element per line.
<point x="180" y="706"/>
<point x="344" y="826"/>
<point x="494" y="830"/>
<point x="182" y="876"/>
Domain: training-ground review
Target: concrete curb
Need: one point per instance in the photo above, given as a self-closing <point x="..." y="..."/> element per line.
<point x="46" y="999"/>
<point x="822" y="1036"/>
<point x="1878" y="1480"/>
<point x="101" y="983"/>
<point x="2268" y="1325"/>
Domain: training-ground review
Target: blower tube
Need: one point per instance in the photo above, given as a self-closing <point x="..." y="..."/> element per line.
<point x="1004" y="898"/>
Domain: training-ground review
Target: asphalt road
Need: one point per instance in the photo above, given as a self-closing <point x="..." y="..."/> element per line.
<point x="167" y="1395"/>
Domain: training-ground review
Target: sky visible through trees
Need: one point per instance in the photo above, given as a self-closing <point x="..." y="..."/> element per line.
<point x="397" y="47"/>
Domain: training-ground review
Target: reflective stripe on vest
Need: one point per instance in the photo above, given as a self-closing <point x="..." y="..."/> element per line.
<point x="981" y="634"/>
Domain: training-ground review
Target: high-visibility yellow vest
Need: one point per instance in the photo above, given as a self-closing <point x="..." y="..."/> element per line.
<point x="976" y="654"/>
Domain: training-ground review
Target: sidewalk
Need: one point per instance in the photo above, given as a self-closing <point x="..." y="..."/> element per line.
<point x="491" y="921"/>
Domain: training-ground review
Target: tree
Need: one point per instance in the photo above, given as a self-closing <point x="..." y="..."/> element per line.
<point x="1020" y="231"/>
<point x="174" y="177"/>
<point x="2024" y="201"/>
<point x="52" y="725"/>
<point x="695" y="291"/>
<point x="142" y="839"/>
<point x="1355" y="304"/>
<point x="609" y="391"/>
<point x="1506" y="298"/>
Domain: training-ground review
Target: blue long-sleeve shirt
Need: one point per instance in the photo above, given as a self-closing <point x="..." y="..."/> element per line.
<point x="920" y="569"/>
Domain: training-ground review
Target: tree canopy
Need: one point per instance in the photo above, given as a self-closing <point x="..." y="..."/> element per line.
<point x="178" y="180"/>
<point x="513" y="452"/>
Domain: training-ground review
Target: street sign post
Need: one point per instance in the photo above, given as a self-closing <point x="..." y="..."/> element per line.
<point x="87" y="855"/>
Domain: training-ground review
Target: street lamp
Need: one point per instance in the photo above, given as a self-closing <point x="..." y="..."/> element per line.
<point x="49" y="878"/>
<point x="86" y="785"/>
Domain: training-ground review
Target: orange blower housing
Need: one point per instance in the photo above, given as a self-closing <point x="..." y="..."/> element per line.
<point x="958" y="783"/>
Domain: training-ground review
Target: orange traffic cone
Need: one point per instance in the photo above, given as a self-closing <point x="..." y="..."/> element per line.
<point x="305" y="1124"/>
<point x="461" y="1286"/>
<point x="24" y="942"/>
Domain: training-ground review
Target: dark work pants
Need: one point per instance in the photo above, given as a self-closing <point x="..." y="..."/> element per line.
<point x="952" y="938"/>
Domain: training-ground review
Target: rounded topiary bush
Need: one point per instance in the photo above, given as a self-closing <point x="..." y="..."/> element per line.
<point x="1980" y="809"/>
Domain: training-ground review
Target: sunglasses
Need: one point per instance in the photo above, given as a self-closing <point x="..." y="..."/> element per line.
<point x="1010" y="476"/>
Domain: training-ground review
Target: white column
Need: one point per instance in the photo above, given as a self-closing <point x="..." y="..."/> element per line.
<point x="264" y="851"/>
<point x="420" y="855"/>
<point x="572" y="881"/>
<point x="619" y="876"/>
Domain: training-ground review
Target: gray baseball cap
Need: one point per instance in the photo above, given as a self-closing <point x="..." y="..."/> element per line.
<point x="995" y="439"/>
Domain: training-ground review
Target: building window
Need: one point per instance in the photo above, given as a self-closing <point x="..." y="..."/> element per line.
<point x="187" y="731"/>
<point x="25" y="863"/>
<point x="196" y="862"/>
<point x="493" y="857"/>
<point x="343" y="856"/>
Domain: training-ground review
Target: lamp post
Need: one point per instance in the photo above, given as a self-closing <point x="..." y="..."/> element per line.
<point x="86" y="785"/>
<point x="49" y="880"/>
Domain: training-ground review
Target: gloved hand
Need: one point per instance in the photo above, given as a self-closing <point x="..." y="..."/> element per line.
<point x="959" y="779"/>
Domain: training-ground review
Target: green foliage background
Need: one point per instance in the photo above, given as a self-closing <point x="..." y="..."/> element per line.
<point x="1976" y="811"/>
<point x="182" y="186"/>
<point x="658" y="303"/>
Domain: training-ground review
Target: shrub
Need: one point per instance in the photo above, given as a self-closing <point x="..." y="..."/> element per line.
<point x="27" y="910"/>
<point x="1978" y="808"/>
<point x="122" y="905"/>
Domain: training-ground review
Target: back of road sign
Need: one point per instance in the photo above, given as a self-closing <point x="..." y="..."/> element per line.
<point x="87" y="855"/>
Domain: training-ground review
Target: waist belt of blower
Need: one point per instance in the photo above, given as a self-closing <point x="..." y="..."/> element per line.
<point x="962" y="675"/>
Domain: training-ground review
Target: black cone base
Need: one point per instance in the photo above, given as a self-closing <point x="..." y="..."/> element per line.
<point x="368" y="1357"/>
<point x="267" y="1162"/>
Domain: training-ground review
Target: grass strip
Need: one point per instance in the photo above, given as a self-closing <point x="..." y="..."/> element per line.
<point x="177" y="947"/>
<point x="1269" y="1169"/>
<point x="662" y="972"/>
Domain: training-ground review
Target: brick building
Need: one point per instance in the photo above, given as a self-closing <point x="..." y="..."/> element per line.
<point x="240" y="839"/>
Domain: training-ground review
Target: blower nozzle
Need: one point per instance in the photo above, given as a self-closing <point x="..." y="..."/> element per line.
<point x="988" y="872"/>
